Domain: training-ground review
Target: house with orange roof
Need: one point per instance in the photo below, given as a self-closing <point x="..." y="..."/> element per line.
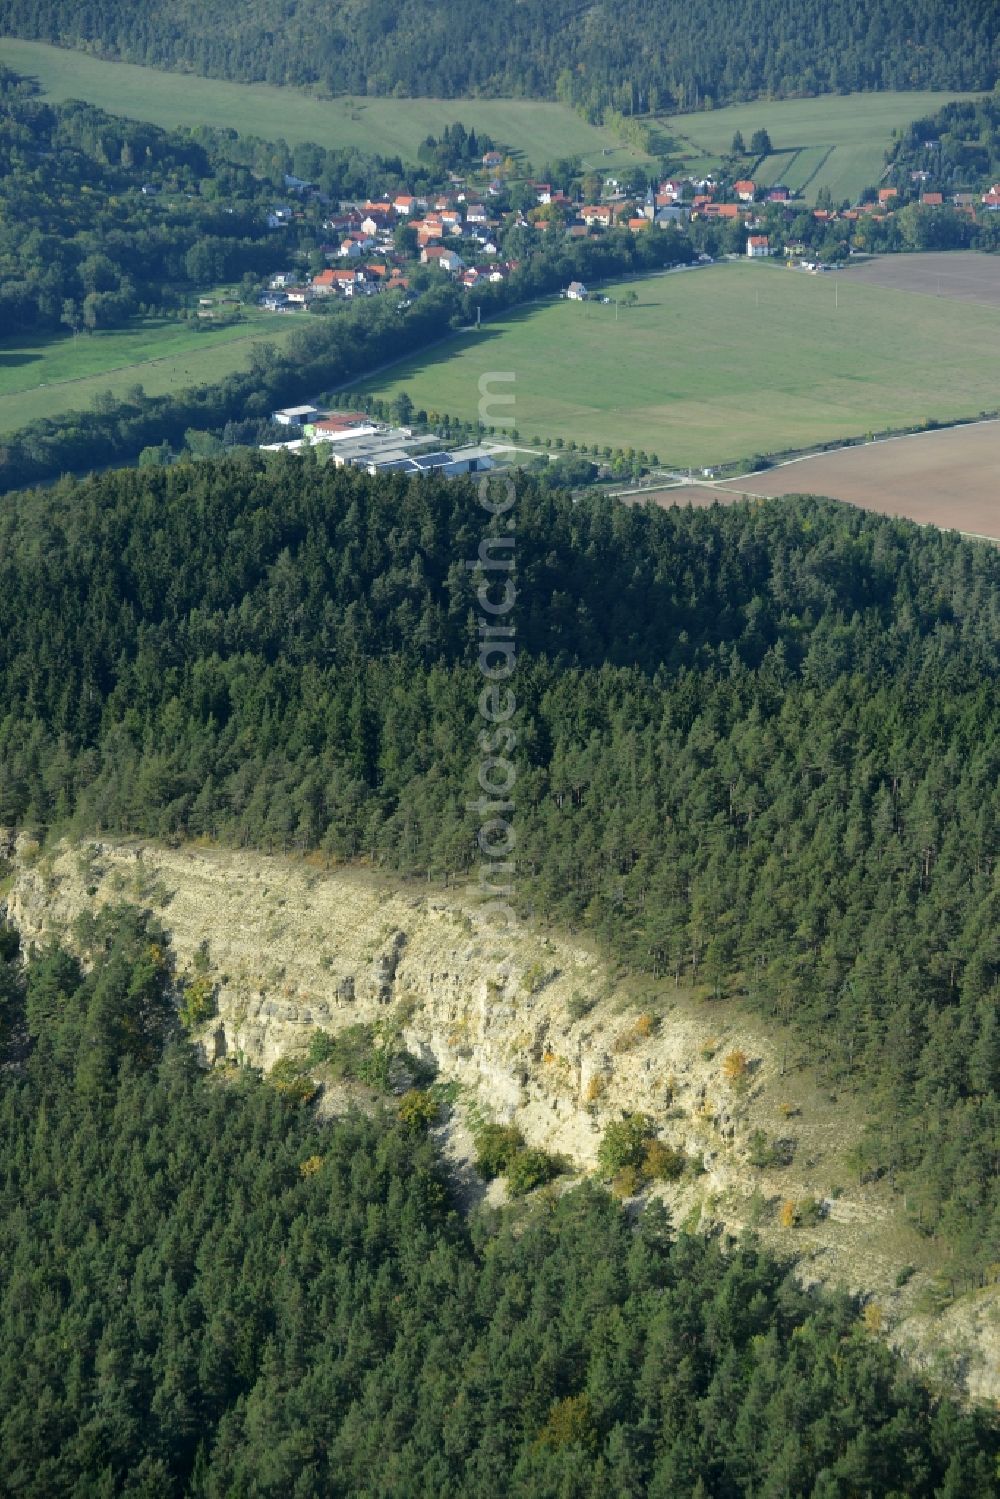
<point x="332" y="281"/>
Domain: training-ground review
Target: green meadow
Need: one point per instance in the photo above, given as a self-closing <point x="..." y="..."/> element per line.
<point x="720" y="364"/>
<point x="538" y="131"/>
<point x="836" y="141"/>
<point x="52" y="375"/>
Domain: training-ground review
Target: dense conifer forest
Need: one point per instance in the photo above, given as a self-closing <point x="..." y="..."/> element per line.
<point x="625" y="56"/>
<point x="757" y="747"/>
<point x="207" y="1291"/>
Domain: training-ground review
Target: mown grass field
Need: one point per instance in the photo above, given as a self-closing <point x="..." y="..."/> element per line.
<point x="52" y="375"/>
<point x="539" y="131"/>
<point x="836" y="141"/>
<point x="720" y="364"/>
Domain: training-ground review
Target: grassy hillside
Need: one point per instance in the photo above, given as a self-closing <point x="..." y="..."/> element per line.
<point x="720" y="364"/>
<point x="50" y="375"/>
<point x="536" y="130"/>
<point x="837" y="141"/>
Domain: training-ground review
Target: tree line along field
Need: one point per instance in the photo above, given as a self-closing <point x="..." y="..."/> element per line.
<point x="51" y="375"/>
<point x="390" y="127"/>
<point x="720" y="364"/>
<point x="837" y="141"/>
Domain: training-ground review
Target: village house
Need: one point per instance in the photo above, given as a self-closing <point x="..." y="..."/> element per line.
<point x="330" y="281"/>
<point x="745" y="190"/>
<point x="576" y="292"/>
<point x="439" y="255"/>
<point x="598" y="213"/>
<point x="356" y="245"/>
<point x="886" y="194"/>
<point x="493" y="159"/>
<point x="758" y="245"/>
<point x="932" y="200"/>
<point x="342" y="223"/>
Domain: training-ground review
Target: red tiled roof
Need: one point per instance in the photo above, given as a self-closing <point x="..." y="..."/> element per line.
<point x="340" y="421"/>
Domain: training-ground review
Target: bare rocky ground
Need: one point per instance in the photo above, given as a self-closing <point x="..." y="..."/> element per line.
<point x="533" y="1027"/>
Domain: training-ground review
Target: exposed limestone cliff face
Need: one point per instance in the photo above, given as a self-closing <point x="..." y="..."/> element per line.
<point x="535" y="1027"/>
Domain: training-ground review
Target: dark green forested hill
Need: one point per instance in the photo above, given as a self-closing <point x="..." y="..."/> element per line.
<point x="207" y="1292"/>
<point x="629" y="55"/>
<point x="757" y="747"/>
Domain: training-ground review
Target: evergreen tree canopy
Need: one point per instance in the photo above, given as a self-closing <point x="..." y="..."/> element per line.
<point x="756" y="746"/>
<point x="207" y="1291"/>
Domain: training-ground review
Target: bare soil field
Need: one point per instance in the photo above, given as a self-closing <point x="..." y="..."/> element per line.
<point x="960" y="275"/>
<point x="949" y="478"/>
